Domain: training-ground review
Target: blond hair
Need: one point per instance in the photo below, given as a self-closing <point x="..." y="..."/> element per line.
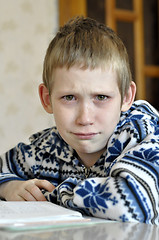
<point x="89" y="44"/>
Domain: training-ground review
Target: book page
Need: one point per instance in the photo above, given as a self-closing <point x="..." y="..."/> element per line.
<point x="11" y="212"/>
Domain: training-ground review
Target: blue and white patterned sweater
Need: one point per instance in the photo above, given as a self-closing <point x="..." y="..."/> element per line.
<point x="122" y="185"/>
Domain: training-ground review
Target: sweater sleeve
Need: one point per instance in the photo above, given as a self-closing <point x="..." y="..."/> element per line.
<point x="32" y="160"/>
<point x="130" y="193"/>
<point x="26" y="162"/>
<point x="17" y="164"/>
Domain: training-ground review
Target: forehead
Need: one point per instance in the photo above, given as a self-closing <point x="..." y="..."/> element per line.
<point x="75" y="72"/>
<point x="79" y="78"/>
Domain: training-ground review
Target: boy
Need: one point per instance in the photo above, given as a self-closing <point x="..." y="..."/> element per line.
<point x="103" y="157"/>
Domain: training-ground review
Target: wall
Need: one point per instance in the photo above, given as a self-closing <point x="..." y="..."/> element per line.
<point x="26" y="28"/>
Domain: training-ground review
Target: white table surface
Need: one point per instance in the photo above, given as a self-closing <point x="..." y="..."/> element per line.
<point x="97" y="231"/>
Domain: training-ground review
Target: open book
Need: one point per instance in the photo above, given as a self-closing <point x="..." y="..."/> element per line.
<point x="24" y="215"/>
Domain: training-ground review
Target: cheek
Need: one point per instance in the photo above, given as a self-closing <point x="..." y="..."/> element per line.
<point x="110" y="117"/>
<point x="59" y="119"/>
<point x="62" y="118"/>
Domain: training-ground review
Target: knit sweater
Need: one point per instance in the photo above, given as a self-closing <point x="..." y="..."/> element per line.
<point x="122" y="185"/>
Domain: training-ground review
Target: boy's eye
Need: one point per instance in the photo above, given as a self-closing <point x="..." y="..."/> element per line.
<point x="101" y="97"/>
<point x="69" y="97"/>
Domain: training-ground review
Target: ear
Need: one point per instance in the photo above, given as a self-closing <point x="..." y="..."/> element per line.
<point x="45" y="98"/>
<point x="129" y="97"/>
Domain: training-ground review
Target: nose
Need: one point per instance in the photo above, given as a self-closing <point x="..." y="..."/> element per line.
<point x="84" y="115"/>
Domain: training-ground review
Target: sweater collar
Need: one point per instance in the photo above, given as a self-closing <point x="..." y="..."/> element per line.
<point x="51" y="142"/>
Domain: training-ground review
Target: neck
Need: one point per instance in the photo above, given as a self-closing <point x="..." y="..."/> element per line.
<point x="88" y="160"/>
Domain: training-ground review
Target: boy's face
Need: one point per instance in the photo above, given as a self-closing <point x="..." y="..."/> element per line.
<point x="86" y="105"/>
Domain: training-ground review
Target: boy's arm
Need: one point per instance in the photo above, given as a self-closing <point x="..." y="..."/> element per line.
<point x="17" y="166"/>
<point x="129" y="193"/>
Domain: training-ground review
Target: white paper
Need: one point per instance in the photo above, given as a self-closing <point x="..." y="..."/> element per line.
<point x="25" y="212"/>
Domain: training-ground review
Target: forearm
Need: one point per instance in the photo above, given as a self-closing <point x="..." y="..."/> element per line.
<point x="112" y="199"/>
<point x="129" y="193"/>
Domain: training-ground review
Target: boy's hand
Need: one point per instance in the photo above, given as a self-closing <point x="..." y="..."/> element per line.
<point x="25" y="190"/>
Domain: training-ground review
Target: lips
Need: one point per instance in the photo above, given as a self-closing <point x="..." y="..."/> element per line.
<point x="85" y="136"/>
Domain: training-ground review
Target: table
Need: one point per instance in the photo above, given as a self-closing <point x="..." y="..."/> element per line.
<point x="97" y="231"/>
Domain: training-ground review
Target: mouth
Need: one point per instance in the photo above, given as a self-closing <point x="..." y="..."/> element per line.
<point x="85" y="136"/>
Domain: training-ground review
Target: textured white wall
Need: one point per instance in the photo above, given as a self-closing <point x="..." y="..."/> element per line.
<point x="26" y="28"/>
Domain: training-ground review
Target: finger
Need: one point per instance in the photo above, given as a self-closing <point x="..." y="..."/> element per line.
<point x="28" y="195"/>
<point x="44" y="184"/>
<point x="19" y="198"/>
<point x="33" y="193"/>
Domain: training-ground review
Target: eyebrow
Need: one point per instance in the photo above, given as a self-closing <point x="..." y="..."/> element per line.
<point x="96" y="92"/>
